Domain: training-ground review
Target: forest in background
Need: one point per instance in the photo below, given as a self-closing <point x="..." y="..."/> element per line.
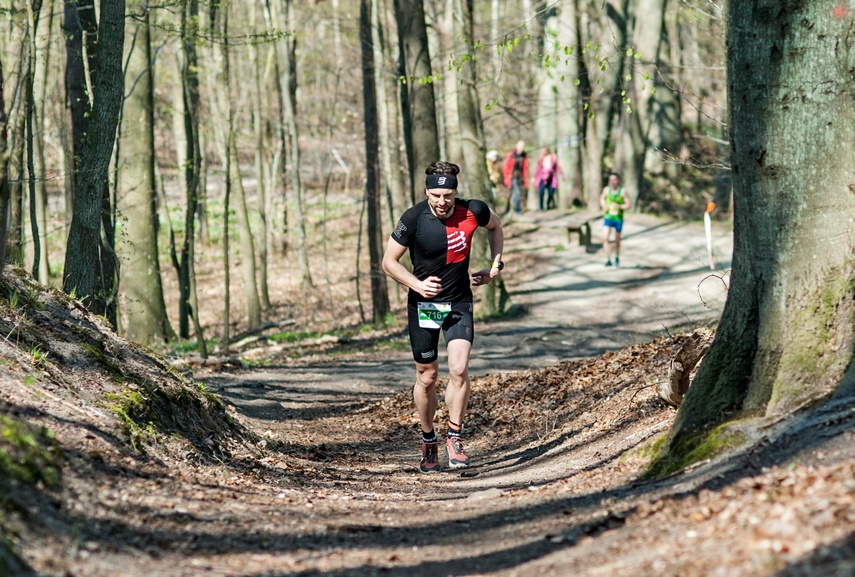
<point x="130" y="130"/>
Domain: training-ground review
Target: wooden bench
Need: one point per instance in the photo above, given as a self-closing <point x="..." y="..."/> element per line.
<point x="580" y="223"/>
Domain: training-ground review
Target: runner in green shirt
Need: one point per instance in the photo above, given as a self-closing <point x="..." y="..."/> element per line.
<point x="613" y="201"/>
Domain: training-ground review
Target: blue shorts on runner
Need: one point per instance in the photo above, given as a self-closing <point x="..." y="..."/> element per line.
<point x="615" y="224"/>
<point x="459" y="324"/>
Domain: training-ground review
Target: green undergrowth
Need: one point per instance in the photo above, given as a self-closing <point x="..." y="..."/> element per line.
<point x="10" y="562"/>
<point x="149" y="410"/>
<point x="155" y="404"/>
<point x="27" y="454"/>
<point x="667" y="460"/>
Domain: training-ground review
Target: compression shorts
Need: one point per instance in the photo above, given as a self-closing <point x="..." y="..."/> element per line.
<point x="459" y="324"/>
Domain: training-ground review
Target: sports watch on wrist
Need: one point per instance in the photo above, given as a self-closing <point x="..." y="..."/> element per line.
<point x="499" y="265"/>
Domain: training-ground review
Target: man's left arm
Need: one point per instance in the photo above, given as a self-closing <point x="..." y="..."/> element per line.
<point x="496" y="240"/>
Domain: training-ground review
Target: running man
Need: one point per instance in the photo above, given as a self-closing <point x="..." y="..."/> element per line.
<point x="613" y="201"/>
<point x="438" y="232"/>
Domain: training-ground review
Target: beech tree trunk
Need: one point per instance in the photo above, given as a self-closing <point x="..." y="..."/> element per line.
<point x="40" y="79"/>
<point x="261" y="165"/>
<point x="5" y="158"/>
<point x="600" y="89"/>
<point x="90" y="263"/>
<point x="391" y="178"/>
<point x="476" y="178"/>
<point x="289" y="80"/>
<point x="379" y="290"/>
<point x="186" y="264"/>
<point x="421" y="102"/>
<point x="786" y="333"/>
<point x="567" y="92"/>
<point x="638" y="113"/>
<point x="142" y="285"/>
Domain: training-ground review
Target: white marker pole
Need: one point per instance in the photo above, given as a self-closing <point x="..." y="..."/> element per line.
<point x="708" y="229"/>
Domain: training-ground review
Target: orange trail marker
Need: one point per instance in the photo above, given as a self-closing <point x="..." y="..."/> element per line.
<point x="708" y="229"/>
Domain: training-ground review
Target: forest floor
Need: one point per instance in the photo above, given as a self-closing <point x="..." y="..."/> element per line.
<point x="315" y="472"/>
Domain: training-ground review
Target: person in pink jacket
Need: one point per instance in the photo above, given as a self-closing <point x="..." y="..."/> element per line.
<point x="546" y="177"/>
<point x="515" y="171"/>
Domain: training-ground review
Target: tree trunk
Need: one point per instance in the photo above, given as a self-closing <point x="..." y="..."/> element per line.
<point x="786" y="332"/>
<point x="567" y="145"/>
<point x="546" y="78"/>
<point x="247" y="245"/>
<point x="379" y="290"/>
<point x="278" y="170"/>
<point x="450" y="145"/>
<point x="289" y="79"/>
<point x="90" y="263"/>
<point x="477" y="179"/>
<point x="421" y="103"/>
<point x="15" y="249"/>
<point x="638" y="115"/>
<point x="601" y="89"/>
<point x="394" y="190"/>
<point x="33" y="8"/>
<point x="5" y="157"/>
<point x="187" y="305"/>
<point x="81" y="34"/>
<point x="40" y="78"/>
<point x="258" y="118"/>
<point x="147" y="320"/>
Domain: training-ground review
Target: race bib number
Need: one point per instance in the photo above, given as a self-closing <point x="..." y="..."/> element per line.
<point x="432" y="315"/>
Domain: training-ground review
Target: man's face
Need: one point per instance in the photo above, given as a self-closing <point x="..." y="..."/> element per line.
<point x="614" y="181"/>
<point x="441" y="201"/>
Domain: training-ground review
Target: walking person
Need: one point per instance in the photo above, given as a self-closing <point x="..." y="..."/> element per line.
<point x="438" y="233"/>
<point x="494" y="169"/>
<point x="614" y="202"/>
<point x="515" y="171"/>
<point x="546" y="178"/>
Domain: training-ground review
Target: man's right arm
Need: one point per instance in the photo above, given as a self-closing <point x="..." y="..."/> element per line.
<point x="430" y="287"/>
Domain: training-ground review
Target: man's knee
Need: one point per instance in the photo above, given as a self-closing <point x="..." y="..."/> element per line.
<point x="426" y="375"/>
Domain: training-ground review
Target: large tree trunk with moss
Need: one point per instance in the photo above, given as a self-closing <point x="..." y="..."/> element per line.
<point x="147" y="321"/>
<point x="786" y="333"/>
<point x="421" y="102"/>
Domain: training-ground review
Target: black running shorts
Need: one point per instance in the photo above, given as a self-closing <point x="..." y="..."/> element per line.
<point x="459" y="324"/>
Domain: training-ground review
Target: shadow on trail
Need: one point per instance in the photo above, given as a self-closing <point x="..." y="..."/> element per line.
<point x="837" y="559"/>
<point x="574" y="516"/>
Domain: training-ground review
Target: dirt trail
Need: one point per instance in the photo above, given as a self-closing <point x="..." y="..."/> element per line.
<point x="322" y="477"/>
<point x="574" y="307"/>
<point x="375" y="514"/>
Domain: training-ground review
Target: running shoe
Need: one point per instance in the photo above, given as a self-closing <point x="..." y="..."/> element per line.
<point x="430" y="458"/>
<point x="457" y="459"/>
<point x="617" y="261"/>
<point x="609" y="262"/>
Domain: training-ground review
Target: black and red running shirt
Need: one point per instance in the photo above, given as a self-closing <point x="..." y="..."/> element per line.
<point x="441" y="247"/>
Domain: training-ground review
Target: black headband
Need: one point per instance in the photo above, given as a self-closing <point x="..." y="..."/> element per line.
<point x="441" y="181"/>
